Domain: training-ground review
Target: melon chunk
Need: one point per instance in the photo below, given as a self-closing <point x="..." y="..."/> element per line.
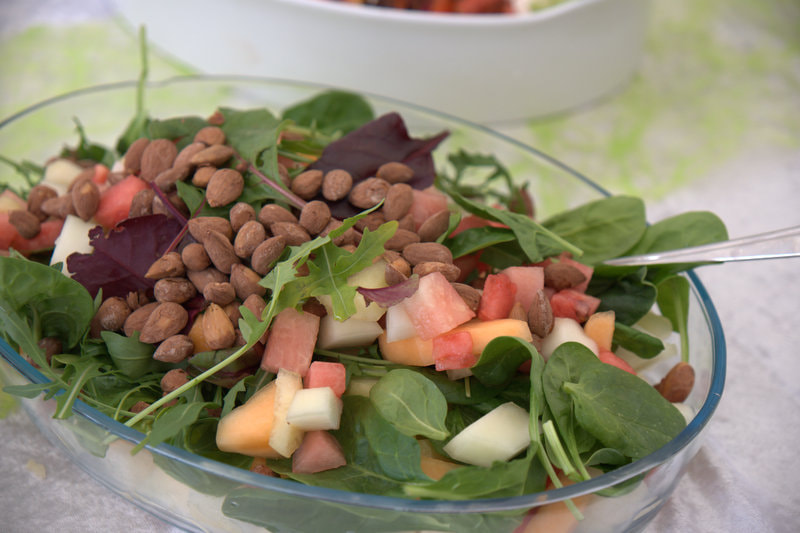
<point x="326" y="374"/>
<point x="247" y="428"/>
<point x="415" y="351"/>
<point x="566" y="330"/>
<point x="74" y="238"/>
<point x="285" y="438"/>
<point x="319" y="451"/>
<point x="498" y="435"/>
<point x="291" y="341"/>
<point x="348" y="333"/>
<point x="600" y="328"/>
<point x="436" y="307"/>
<point x="313" y="409"/>
<point x="528" y="280"/>
<point x="59" y="173"/>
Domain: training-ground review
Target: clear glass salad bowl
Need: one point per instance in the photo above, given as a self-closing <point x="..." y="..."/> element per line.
<point x="199" y="494"/>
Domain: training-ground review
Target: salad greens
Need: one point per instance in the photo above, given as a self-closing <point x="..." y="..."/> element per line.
<point x="591" y="414"/>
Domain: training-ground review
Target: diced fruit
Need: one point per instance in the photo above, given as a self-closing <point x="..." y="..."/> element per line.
<point x="100" y="174"/>
<point x="319" y="451"/>
<point x="326" y="374"/>
<point x="10" y="201"/>
<point x="453" y="350"/>
<point x="313" y="409"/>
<point x="291" y="341"/>
<point x="566" y="330"/>
<point x="569" y="303"/>
<point x="398" y="324"/>
<point x="335" y="334"/>
<point x="284" y="437"/>
<point x="415" y="351"/>
<point x="436" y="468"/>
<point x="436" y="307"/>
<point x="497" y="298"/>
<point x="600" y="328"/>
<point x="555" y="516"/>
<point x="74" y="238"/>
<point x="609" y="357"/>
<point x="247" y="428"/>
<point x="427" y="202"/>
<point x="528" y="280"/>
<point x="498" y="435"/>
<point x="59" y="173"/>
<point x="115" y="202"/>
<point x="44" y="240"/>
<point x="360" y="386"/>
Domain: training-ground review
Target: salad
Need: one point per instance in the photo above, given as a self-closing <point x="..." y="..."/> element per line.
<point x="308" y="296"/>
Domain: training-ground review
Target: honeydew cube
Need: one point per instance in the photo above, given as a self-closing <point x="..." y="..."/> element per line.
<point x="74" y="238"/>
<point x="346" y="333"/>
<point x="498" y="435"/>
<point x="284" y="437"/>
<point x="59" y="174"/>
<point x="360" y="386"/>
<point x="316" y="408"/>
<point x="566" y="330"/>
<point x="398" y="324"/>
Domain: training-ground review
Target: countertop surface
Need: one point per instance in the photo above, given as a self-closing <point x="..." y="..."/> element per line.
<point x="711" y="122"/>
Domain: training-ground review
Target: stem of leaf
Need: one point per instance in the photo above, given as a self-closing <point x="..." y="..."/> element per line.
<point x="542" y="456"/>
<point x="290" y="196"/>
<point x="171" y="208"/>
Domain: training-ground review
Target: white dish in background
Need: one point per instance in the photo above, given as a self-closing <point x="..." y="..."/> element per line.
<point x="485" y="68"/>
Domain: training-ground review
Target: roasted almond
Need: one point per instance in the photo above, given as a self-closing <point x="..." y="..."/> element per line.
<point x="26" y="223"/>
<point x="540" y="315"/>
<point x="267" y="253"/>
<point x="245" y="282"/>
<point x="219" y="292"/>
<point x="142" y="203"/>
<point x="218" y="329"/>
<point x="37" y="196"/>
<point x="112" y="313"/>
<point x="399" y="199"/>
<point x="293" y="232"/>
<point x="336" y="185"/>
<point x="137" y="318"/>
<point x="220" y="250"/>
<point x="395" y="172"/>
<point x="173" y="379"/>
<point x="210" y="135"/>
<point x="401" y="239"/>
<point x="166" y="320"/>
<point x="224" y="187"/>
<point x="450" y="271"/>
<point x="158" y="156"/>
<point x="201" y="278"/>
<point x="133" y="157"/>
<point x="174" y="349"/>
<point x="250" y="235"/>
<point x="420" y="252"/>
<point x="434" y="226"/>
<point x="561" y="276"/>
<point x="194" y="256"/>
<point x="178" y="290"/>
<point x="240" y="214"/>
<point x="215" y="156"/>
<point x="200" y="226"/>
<point x="678" y="383"/>
<point x="166" y="266"/>
<point x="271" y="213"/>
<point x="307" y="184"/>
<point x="368" y="193"/>
<point x="314" y="216"/>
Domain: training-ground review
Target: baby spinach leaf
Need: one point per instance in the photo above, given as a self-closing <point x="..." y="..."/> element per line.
<point x="535" y="239"/>
<point x="331" y="112"/>
<point x="673" y="302"/>
<point x="132" y="357"/>
<point x="500" y="360"/>
<point x="474" y="239"/>
<point x="501" y="480"/>
<point x="60" y="306"/>
<point x="623" y="411"/>
<point x="624" y="290"/>
<point x="412" y="403"/>
<point x="642" y="344"/>
<point x="180" y="129"/>
<point x="398" y="454"/>
<point x="692" y="228"/>
<point x="603" y="228"/>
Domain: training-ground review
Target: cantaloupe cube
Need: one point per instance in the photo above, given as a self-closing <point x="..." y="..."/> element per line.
<point x="498" y="435"/>
<point x="436" y="468"/>
<point x="313" y="409"/>
<point x="247" y="428"/>
<point x="417" y="352"/>
<point x="600" y="328"/>
<point x="285" y="438"/>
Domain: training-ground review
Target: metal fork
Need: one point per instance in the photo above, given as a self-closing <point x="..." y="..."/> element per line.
<point x="770" y="245"/>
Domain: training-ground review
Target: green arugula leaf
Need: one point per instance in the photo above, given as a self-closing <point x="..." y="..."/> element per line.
<point x="173" y="420"/>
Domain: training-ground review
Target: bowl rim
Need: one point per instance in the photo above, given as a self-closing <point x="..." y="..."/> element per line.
<point x="429" y="18"/>
<point x="289" y="487"/>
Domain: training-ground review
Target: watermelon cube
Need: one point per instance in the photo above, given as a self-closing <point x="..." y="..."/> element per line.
<point x="427" y="202"/>
<point x="528" y="280"/>
<point x="454" y="351"/>
<point x="570" y="303"/>
<point x="609" y="357"/>
<point x="325" y="374"/>
<point x="291" y="341"/>
<point x="436" y="307"/>
<point x="319" y="451"/>
<point x="498" y="297"/>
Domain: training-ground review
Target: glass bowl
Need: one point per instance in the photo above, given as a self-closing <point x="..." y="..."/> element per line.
<point x="199" y="494"/>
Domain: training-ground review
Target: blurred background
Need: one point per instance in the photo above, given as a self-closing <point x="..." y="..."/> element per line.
<point x="709" y="120"/>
